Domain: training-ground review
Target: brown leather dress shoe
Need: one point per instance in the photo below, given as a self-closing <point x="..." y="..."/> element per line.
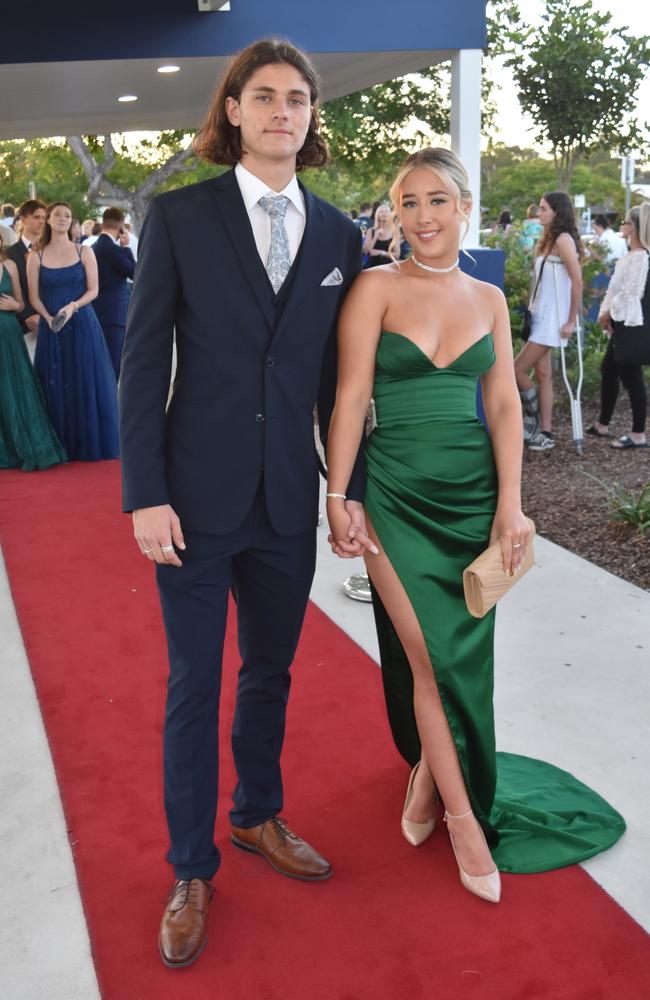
<point x="182" y="935"/>
<point x="284" y="851"/>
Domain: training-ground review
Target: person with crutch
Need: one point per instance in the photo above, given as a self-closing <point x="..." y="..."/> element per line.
<point x="554" y="314"/>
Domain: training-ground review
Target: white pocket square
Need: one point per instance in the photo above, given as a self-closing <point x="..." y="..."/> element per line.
<point x="333" y="278"/>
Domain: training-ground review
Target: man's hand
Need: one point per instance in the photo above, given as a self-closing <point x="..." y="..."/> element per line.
<point x="359" y="532"/>
<point x="157" y="530"/>
<point x="347" y="522"/>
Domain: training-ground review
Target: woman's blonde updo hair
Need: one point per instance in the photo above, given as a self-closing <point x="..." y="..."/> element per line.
<point x="447" y="165"/>
<point x="639" y="216"/>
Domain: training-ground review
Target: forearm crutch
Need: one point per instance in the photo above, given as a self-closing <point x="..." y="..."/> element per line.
<point x="574" y="395"/>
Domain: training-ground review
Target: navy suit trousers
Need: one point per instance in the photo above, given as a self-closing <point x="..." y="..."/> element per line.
<point x="270" y="578"/>
<point x="114" y="337"/>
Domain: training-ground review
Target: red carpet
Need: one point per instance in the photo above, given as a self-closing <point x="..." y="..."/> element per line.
<point x="393" y="923"/>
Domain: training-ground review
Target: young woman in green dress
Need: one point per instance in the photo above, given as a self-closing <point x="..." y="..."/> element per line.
<point x="27" y="438"/>
<point x="416" y="335"/>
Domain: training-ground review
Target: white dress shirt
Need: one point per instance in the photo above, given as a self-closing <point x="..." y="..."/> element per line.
<point x="252" y="189"/>
<point x="616" y="245"/>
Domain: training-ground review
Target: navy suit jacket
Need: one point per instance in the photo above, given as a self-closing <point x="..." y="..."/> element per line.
<point x="246" y="385"/>
<point x="115" y="264"/>
<point x="18" y="253"/>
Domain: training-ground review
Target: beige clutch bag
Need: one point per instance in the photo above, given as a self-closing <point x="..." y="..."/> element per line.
<point x="485" y="581"/>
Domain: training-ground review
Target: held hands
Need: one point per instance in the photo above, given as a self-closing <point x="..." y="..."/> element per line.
<point x="32" y="322"/>
<point x="513" y="530"/>
<point x="155" y="529"/>
<point x="348" y="537"/>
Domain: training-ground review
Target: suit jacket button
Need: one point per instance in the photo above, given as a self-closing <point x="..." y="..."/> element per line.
<point x="259" y="418"/>
<point x="269" y="362"/>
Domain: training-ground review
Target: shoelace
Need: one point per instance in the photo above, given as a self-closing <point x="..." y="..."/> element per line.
<point x="282" y="828"/>
<point x="189" y="892"/>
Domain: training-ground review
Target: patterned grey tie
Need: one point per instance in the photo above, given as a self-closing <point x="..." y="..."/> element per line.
<point x="278" y="262"/>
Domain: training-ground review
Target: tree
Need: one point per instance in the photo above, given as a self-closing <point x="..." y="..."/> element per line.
<point x="106" y="190"/>
<point x="371" y="131"/>
<point x="512" y="178"/>
<point x="577" y="77"/>
<point x="48" y="165"/>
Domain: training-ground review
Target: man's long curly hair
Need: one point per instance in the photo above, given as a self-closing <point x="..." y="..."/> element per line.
<point x="217" y="141"/>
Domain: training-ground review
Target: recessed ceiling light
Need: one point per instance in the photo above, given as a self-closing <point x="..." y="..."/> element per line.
<point x="168" y="69"/>
<point x="126" y="98"/>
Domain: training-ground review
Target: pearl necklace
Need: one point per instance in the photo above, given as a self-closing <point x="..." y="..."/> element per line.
<point x="435" y="270"/>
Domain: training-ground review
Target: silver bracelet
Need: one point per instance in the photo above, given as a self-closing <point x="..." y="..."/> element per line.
<point x="338" y="496"/>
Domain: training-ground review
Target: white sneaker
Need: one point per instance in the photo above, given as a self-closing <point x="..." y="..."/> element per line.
<point x="541" y="442"/>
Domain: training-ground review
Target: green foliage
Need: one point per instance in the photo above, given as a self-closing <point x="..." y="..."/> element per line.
<point x="518" y="261"/>
<point x="632" y="508"/>
<point x="512" y="178"/>
<point x="366" y="130"/>
<point x="345" y="186"/>
<point x="50" y="165"/>
<point x="578" y="77"/>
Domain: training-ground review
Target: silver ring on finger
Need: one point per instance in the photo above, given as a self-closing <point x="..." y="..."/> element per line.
<point x="167" y="548"/>
<point x="517" y="545"/>
<point x="146" y="552"/>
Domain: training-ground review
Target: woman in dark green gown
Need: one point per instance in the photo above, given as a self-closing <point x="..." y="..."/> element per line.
<point x="27" y="438"/>
<point x="416" y="336"/>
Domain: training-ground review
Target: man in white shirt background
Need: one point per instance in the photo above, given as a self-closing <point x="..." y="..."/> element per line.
<point x="615" y="244"/>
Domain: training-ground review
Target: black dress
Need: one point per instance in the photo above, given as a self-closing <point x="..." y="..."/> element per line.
<point x="376" y="259"/>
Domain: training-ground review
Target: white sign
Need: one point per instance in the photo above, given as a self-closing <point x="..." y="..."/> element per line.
<point x="627" y="170"/>
<point x="579" y="200"/>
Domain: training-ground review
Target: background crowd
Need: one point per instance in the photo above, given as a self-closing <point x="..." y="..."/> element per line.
<point x="64" y="293"/>
<point x="63" y="304"/>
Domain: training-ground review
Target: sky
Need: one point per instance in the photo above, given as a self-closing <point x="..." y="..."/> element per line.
<point x="512" y="124"/>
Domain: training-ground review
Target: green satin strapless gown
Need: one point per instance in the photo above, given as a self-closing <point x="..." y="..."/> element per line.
<point x="431" y="496"/>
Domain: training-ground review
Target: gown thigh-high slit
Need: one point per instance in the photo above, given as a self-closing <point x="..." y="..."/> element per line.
<point x="431" y="498"/>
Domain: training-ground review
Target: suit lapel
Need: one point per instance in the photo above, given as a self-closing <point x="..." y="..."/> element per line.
<point x="310" y="261"/>
<point x="235" y="218"/>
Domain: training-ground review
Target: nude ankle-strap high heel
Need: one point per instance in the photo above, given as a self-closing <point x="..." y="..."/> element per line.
<point x="416" y="833"/>
<point x="486" y="886"/>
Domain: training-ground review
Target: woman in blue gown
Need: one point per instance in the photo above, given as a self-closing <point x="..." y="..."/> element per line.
<point x="72" y="360"/>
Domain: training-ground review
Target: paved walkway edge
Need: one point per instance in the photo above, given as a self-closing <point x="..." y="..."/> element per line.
<point x="44" y="944"/>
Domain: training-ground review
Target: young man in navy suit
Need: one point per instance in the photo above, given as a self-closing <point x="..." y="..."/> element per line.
<point x="223" y="485"/>
<point x="115" y="265"/>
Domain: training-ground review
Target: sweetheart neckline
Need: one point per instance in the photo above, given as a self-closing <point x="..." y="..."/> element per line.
<point x="394" y="333"/>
